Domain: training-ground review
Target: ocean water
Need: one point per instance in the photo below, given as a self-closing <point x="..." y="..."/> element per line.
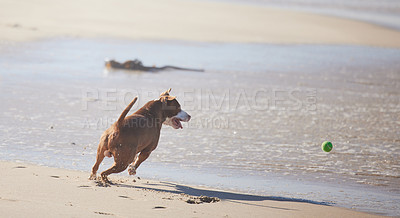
<point x="259" y="114"/>
<point x="380" y="12"/>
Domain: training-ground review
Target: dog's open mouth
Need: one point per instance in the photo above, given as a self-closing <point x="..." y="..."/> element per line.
<point x="176" y="123"/>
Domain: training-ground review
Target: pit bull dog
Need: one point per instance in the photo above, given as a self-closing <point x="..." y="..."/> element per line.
<point x="137" y="134"/>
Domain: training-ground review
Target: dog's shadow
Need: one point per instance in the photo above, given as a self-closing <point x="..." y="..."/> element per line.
<point x="223" y="195"/>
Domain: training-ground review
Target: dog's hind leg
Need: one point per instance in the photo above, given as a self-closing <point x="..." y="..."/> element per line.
<point x="99" y="157"/>
<point x="115" y="168"/>
<point x="123" y="157"/>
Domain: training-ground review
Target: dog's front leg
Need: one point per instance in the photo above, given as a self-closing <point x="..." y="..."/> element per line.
<point x="141" y="157"/>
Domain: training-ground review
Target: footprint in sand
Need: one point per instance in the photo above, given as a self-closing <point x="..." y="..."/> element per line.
<point x="7" y="199"/>
<point x="103" y="213"/>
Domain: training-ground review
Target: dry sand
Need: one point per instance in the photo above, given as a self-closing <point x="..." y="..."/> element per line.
<point x="182" y="20"/>
<point x="36" y="191"/>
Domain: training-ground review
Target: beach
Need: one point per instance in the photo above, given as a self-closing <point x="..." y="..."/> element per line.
<point x="49" y="192"/>
<point x="277" y="83"/>
<point x="184" y="20"/>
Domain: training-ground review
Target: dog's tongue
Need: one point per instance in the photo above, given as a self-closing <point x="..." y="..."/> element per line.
<point x="176" y="123"/>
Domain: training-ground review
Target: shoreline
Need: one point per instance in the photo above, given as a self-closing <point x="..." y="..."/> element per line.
<point x="30" y="189"/>
<point x="379" y="15"/>
<point x="204" y="22"/>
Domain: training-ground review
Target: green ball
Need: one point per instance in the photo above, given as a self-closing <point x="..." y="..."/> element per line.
<point x="327" y="146"/>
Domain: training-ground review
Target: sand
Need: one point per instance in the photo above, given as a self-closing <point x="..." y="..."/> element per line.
<point x="182" y="20"/>
<point x="38" y="191"/>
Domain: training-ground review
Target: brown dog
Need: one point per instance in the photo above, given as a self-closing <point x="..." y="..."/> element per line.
<point x="137" y="134"/>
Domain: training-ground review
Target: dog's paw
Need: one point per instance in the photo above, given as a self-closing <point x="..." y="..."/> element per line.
<point x="93" y="176"/>
<point x="131" y="170"/>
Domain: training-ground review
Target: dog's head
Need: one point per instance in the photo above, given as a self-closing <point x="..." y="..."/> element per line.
<point x="172" y="111"/>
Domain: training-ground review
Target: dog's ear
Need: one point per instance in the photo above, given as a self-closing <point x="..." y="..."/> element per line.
<point x="166" y="98"/>
<point x="166" y="93"/>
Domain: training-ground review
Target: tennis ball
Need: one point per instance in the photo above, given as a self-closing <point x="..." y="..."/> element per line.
<point x="327" y="146"/>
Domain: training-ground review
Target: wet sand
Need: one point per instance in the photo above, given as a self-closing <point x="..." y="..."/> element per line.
<point x="43" y="191"/>
<point x="183" y="20"/>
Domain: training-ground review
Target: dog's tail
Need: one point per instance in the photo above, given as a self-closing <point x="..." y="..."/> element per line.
<point x="125" y="112"/>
